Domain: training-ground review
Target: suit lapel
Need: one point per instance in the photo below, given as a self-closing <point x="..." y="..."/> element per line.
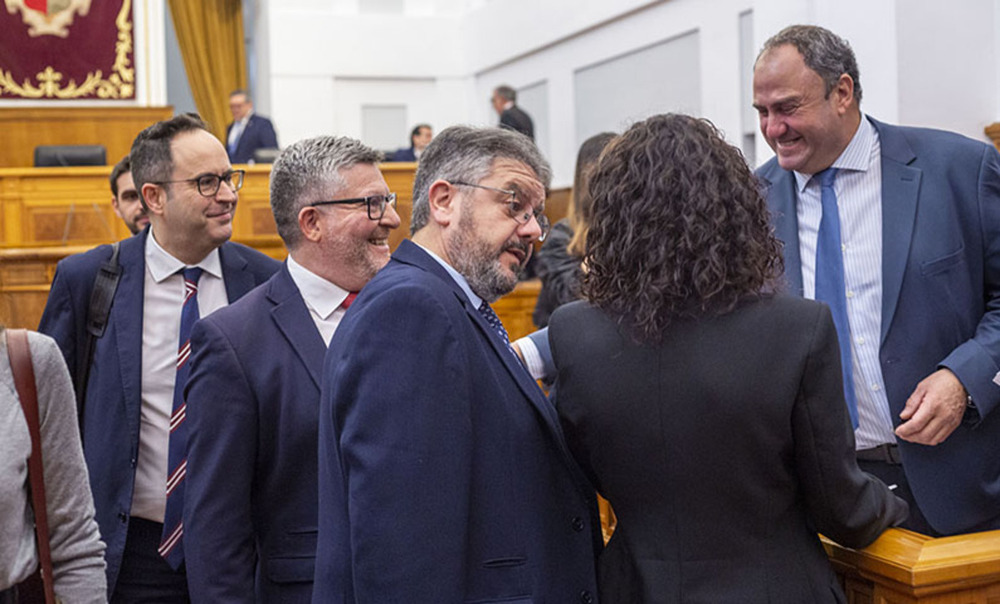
<point x="126" y="318"/>
<point x="900" y="191"/>
<point x="293" y="320"/>
<point x="409" y="253"/>
<point x="238" y="280"/>
<point x="786" y="224"/>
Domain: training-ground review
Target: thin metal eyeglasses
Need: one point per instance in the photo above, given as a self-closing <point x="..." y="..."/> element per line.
<point x="521" y="212"/>
<point x="208" y="184"/>
<point x="376" y="204"/>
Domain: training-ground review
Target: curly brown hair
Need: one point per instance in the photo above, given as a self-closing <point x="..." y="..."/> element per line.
<point x="680" y="229"/>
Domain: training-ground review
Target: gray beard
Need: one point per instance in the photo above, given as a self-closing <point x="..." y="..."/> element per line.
<point x="479" y="264"/>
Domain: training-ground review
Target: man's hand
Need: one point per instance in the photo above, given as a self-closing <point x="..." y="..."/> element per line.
<point x="934" y="409"/>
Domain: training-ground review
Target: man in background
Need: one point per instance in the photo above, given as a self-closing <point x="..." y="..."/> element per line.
<point x="125" y="198"/>
<point x="512" y="117"/>
<point x="180" y="268"/>
<point x="420" y="137"/>
<point x="898" y="230"/>
<point x="443" y="472"/>
<point x="248" y="131"/>
<point x="253" y="395"/>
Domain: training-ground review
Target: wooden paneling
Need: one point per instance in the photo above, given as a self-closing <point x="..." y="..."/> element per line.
<point x="993" y="131"/>
<point x="24" y="128"/>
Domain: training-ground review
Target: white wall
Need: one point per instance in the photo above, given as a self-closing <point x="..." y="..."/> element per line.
<point x="922" y="61"/>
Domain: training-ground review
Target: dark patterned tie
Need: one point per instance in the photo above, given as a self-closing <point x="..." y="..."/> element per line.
<point x="491" y="317"/>
<point x="173" y="526"/>
<point x="830" y="284"/>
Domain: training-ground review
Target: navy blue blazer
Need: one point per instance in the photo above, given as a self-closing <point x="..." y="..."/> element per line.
<point x="253" y="402"/>
<point x="444" y="474"/>
<point x="404" y="154"/>
<point x="258" y="134"/>
<point x="518" y="120"/>
<point x="940" y="303"/>
<point x="114" y="390"/>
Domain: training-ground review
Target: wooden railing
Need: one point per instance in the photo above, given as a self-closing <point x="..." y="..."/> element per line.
<point x="903" y="567"/>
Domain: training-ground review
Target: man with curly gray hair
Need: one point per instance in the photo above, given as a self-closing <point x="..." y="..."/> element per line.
<point x="253" y="395"/>
<point x="444" y="476"/>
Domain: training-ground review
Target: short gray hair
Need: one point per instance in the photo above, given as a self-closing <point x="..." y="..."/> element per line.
<point x="823" y="51"/>
<point x="305" y="170"/>
<point x="466" y="153"/>
<point x="505" y="92"/>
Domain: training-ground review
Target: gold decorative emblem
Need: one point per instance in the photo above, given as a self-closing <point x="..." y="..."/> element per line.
<point x="48" y="17"/>
<point x="52" y="17"/>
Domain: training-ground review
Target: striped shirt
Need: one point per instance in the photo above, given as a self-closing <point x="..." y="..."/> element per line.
<point x="859" y="199"/>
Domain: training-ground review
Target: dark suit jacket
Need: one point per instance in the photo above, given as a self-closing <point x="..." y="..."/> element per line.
<point x="253" y="402"/>
<point x="940" y="303"/>
<point x="404" y="154"/>
<point x="444" y="476"/>
<point x="723" y="451"/>
<point x="516" y="119"/>
<point x="111" y="425"/>
<point x="258" y="134"/>
<point x="559" y="271"/>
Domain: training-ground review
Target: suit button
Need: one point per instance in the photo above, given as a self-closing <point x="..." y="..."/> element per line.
<point x="578" y="524"/>
<point x="123" y="517"/>
<point x="586" y="597"/>
<point x="132" y="462"/>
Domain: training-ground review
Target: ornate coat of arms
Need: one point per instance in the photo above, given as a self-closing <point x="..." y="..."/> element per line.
<point x="66" y="50"/>
<point x="48" y="17"/>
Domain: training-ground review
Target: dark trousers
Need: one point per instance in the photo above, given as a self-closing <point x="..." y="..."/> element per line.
<point x="144" y="575"/>
<point x="892" y="474"/>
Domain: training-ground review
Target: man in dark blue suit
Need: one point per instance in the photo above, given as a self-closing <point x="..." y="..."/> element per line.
<point x="444" y="475"/>
<point x="189" y="190"/>
<point x="253" y="394"/>
<point x="420" y="137"/>
<point x="248" y="131"/>
<point x="512" y="117"/>
<point x="918" y="252"/>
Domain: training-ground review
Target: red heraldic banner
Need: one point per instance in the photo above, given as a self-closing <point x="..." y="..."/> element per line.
<point x="66" y="49"/>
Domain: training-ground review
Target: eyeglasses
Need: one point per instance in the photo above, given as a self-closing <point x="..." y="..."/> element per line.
<point x="208" y="184"/>
<point x="376" y="204"/>
<point x="520" y="211"/>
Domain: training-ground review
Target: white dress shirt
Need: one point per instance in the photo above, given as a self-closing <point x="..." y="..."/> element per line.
<point x="859" y="198"/>
<point x="163" y="299"/>
<point x="322" y="298"/>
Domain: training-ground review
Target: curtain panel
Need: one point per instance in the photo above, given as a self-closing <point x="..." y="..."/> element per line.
<point x="210" y="36"/>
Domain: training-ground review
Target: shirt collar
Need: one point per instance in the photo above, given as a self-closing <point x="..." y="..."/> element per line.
<point x="456" y="276"/>
<point x="854" y="157"/>
<point x="320" y="295"/>
<point x="162" y="263"/>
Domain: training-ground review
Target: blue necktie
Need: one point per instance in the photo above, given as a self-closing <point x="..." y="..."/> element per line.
<point x="491" y="317"/>
<point x="830" y="285"/>
<point x="173" y="526"/>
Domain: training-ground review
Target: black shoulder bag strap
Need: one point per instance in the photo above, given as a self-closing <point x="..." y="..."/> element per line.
<point x="105" y="284"/>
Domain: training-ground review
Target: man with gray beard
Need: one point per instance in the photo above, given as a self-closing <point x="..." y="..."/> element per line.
<point x="443" y="472"/>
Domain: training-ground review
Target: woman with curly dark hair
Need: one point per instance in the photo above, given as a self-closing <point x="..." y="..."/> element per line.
<point x="707" y="407"/>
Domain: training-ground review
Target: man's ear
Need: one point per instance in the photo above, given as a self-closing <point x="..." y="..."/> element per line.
<point x="155" y="197"/>
<point x="309" y="223"/>
<point x="844" y="93"/>
<point x="444" y="202"/>
<point x="114" y="206"/>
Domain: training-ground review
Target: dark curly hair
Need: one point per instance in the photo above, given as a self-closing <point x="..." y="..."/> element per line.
<point x="680" y="229"/>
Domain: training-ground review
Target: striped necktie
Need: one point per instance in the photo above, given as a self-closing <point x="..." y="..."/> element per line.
<point x="830" y="284"/>
<point x="173" y="526"/>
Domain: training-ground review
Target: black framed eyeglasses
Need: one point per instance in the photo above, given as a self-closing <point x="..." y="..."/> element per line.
<point x="520" y="211"/>
<point x="376" y="204"/>
<point x="208" y="184"/>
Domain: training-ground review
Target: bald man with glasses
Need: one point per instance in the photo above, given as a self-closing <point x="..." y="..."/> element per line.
<point x="134" y="425"/>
